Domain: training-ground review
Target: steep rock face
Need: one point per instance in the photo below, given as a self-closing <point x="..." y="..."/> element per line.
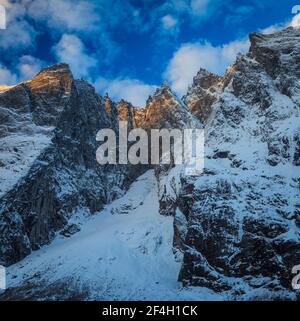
<point x="49" y="92"/>
<point x="134" y="116"/>
<point x="165" y="110"/>
<point x="203" y="93"/>
<point x="279" y="55"/>
<point x="237" y="224"/>
<point x="62" y="176"/>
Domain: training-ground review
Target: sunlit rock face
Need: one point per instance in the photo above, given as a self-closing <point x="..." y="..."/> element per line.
<point x="203" y="93"/>
<point x="236" y="226"/>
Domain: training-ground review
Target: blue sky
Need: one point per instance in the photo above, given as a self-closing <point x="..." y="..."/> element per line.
<point x="128" y="47"/>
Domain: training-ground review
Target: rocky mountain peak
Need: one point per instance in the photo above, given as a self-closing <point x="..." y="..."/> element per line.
<point x="164" y="91"/>
<point x="5" y="87"/>
<point x="205" y="79"/>
<point x="58" y="75"/>
<point x="126" y="112"/>
<point x="110" y="107"/>
<point x="273" y="55"/>
<point x="56" y="70"/>
<point x="50" y="90"/>
<point x="277" y="52"/>
<point x="203" y="93"/>
<point x="164" y="108"/>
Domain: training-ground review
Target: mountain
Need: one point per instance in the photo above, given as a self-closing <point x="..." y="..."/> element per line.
<point x="229" y="233"/>
<point x="241" y="217"/>
<point x="48" y="162"/>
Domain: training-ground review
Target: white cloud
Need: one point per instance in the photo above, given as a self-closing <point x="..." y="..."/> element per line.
<point x="272" y="29"/>
<point x="71" y="50"/>
<point x="28" y="67"/>
<point x="228" y="52"/>
<point x="131" y="90"/>
<point x="296" y="21"/>
<point x="196" y="10"/>
<point x="72" y="15"/>
<point x="190" y="57"/>
<point x="90" y="19"/>
<point x="169" y="22"/>
<point x="199" y="7"/>
<point x="193" y="7"/>
<point x="5" y="3"/>
<point x="180" y="6"/>
<point x="19" y="34"/>
<point x="7" y="77"/>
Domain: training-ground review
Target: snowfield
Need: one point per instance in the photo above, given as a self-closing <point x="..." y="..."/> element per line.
<point x="17" y="154"/>
<point x="123" y="253"/>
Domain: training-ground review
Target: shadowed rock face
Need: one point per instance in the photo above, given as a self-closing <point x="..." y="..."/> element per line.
<point x="240" y="217"/>
<point x="49" y="92"/>
<point x="279" y="54"/>
<point x="236" y="226"/>
<point x="64" y="175"/>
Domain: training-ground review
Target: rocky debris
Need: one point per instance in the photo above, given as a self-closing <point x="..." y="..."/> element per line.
<point x="296" y="159"/>
<point x="32" y="290"/>
<point x="69" y="230"/>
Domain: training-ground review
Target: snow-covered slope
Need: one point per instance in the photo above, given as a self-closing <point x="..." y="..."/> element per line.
<point x="17" y="153"/>
<point x="48" y="166"/>
<point x="122" y="253"/>
<point x="21" y="140"/>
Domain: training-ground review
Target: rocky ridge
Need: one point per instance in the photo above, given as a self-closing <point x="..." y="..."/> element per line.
<point x="236" y="227"/>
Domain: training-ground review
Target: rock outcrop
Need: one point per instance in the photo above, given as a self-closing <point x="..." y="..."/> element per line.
<point x="203" y="94"/>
